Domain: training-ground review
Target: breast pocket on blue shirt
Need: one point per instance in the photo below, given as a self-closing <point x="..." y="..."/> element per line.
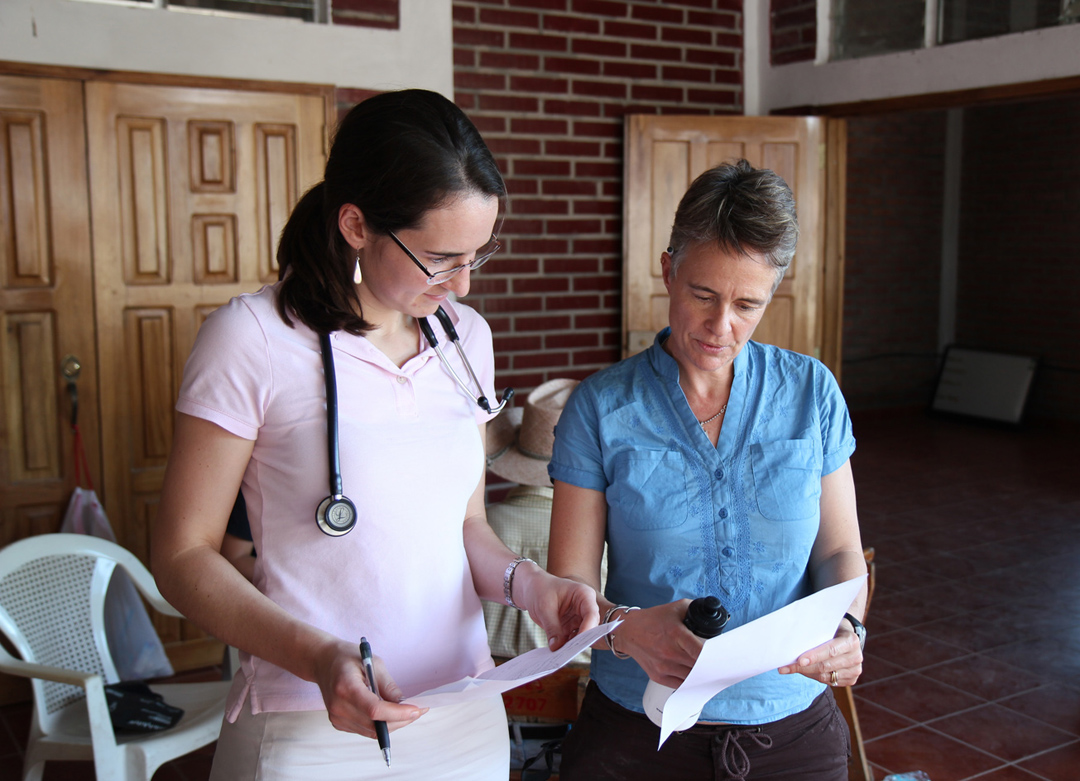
<point x="787" y="478"/>
<point x="648" y="490"/>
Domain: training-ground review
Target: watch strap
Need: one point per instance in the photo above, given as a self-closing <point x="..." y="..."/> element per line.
<point x="860" y="630"/>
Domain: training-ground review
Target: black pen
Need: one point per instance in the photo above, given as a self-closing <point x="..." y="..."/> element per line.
<point x="380" y="726"/>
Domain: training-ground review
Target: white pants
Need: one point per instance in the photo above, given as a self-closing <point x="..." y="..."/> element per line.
<point x="469" y="742"/>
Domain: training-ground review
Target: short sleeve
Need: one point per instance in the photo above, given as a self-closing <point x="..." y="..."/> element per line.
<point x="577" y="457"/>
<point x="228" y="377"/>
<point x="837" y="439"/>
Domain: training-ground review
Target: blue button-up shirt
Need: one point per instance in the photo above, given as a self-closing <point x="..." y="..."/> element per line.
<point x="686" y="519"/>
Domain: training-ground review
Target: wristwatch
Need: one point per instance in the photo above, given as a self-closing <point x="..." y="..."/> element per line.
<point x="860" y="630"/>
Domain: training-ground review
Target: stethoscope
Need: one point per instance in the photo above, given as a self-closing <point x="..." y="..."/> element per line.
<point x="336" y="514"/>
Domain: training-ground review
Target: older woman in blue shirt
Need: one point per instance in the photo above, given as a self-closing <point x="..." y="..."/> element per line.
<point x="711" y="464"/>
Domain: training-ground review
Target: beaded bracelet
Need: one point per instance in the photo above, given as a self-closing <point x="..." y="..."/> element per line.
<point x="508" y="582"/>
<point x="609" y="638"/>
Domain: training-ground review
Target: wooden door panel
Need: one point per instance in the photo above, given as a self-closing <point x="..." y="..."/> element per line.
<point x="213" y="246"/>
<point x="46" y="309"/>
<point x="46" y="305"/>
<point x="191" y="188"/>
<point x="34" y="452"/>
<point x="210" y="156"/>
<point x="664" y="155"/>
<point x="24" y="201"/>
<point x="276" y="190"/>
<point x="150" y="374"/>
<point x="143" y="200"/>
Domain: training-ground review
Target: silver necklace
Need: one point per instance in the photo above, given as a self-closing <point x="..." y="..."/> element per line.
<point x="704" y="423"/>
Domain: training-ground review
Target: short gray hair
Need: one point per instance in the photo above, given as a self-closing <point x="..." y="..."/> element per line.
<point x="742" y="209"/>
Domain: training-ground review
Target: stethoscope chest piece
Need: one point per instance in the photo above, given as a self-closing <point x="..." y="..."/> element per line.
<point x="336" y="516"/>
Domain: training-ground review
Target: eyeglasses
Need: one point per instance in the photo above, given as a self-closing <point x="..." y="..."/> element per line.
<point x="483" y="255"/>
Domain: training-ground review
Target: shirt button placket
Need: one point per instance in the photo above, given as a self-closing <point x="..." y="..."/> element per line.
<point x="728" y="572"/>
<point x="406" y="397"/>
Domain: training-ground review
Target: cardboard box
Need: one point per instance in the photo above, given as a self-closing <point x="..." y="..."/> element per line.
<point x="555" y="697"/>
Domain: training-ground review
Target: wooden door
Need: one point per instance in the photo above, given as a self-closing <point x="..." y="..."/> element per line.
<point x="190" y="191"/>
<point x="46" y="309"/>
<point x="46" y="303"/>
<point x="663" y="156"/>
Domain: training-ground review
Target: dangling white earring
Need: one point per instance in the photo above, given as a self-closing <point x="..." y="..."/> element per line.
<point x="358" y="275"/>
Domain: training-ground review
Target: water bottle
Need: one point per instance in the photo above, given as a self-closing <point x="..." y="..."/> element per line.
<point x="705" y="617"/>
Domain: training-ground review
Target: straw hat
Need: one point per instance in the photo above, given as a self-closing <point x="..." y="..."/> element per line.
<point x="520" y="440"/>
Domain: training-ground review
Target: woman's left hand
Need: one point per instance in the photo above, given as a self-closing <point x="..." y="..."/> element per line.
<point x="836" y="663"/>
<point x="563" y="608"/>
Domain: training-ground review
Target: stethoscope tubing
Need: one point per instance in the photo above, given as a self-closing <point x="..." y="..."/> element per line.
<point x="332" y="507"/>
<point x="332" y="448"/>
<point x="451" y="334"/>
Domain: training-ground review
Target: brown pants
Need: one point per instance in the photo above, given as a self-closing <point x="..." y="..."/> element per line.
<point x="610" y="742"/>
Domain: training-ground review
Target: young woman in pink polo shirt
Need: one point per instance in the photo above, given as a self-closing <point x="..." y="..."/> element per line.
<point x="381" y="534"/>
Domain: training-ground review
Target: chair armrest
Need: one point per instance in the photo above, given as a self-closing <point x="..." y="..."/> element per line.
<point x="97" y="707"/>
<point x="84" y="543"/>
<point x="9" y="664"/>
<point x="145" y="583"/>
<point x="158" y="602"/>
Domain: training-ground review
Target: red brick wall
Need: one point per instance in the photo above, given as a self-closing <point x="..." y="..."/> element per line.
<point x="792" y="31"/>
<point x="548" y="83"/>
<point x="893" y="258"/>
<point x="1019" y="262"/>
<point x="1020" y="242"/>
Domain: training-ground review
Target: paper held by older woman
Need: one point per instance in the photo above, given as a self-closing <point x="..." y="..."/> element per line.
<point x="770" y="642"/>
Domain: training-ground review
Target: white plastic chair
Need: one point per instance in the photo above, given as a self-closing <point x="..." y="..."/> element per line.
<point x="52" y="597"/>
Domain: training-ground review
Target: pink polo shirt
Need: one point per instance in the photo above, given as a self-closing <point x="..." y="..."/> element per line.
<point x="411" y="456"/>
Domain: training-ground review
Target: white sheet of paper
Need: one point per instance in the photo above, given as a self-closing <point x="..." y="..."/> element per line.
<point x="518" y="671"/>
<point x="765" y="644"/>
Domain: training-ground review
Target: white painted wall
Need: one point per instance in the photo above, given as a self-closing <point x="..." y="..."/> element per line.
<point x="1009" y="59"/>
<point x="119" y="36"/>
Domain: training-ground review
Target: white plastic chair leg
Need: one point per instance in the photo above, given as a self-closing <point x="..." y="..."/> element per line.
<point x="33" y="772"/>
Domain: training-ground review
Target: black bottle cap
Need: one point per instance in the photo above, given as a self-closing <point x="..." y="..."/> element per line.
<point x="706" y="617"/>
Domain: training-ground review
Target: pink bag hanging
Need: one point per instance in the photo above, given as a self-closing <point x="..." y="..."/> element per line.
<point x="136" y="649"/>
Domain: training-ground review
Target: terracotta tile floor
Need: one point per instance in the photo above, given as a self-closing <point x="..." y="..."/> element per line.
<point x="973" y="662"/>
